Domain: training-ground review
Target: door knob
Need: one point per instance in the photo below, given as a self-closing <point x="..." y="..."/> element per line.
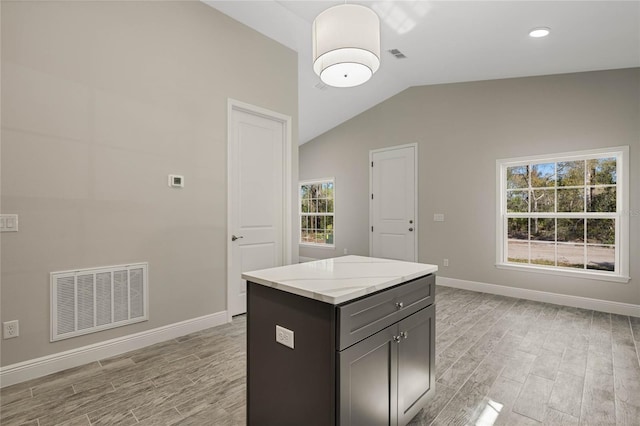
<point x="411" y="229"/>
<point x="233" y="237"/>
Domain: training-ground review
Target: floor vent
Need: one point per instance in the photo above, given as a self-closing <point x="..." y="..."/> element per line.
<point x="89" y="300"/>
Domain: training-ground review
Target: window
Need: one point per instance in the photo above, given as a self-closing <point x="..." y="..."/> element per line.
<point x="317" y="212"/>
<point x="565" y="214"/>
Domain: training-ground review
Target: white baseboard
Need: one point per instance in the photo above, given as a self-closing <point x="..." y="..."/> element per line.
<point x="38" y="367"/>
<point x="543" y="296"/>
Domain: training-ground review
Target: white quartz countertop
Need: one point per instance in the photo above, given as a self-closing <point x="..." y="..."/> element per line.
<point x="340" y="279"/>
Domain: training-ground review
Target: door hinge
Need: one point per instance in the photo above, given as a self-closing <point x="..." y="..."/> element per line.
<point x="372" y="196"/>
<point x="372" y="229"/>
<point x="372" y="164"/>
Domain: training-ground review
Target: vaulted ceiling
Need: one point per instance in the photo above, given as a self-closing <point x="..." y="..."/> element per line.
<point x="447" y="42"/>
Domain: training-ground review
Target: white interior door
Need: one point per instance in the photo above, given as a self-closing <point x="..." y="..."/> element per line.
<point x="393" y="211"/>
<point x="257" y="182"/>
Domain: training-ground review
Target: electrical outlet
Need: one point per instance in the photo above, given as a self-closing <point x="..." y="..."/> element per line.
<point x="346" y="251"/>
<point x="11" y="329"/>
<point x="445" y="262"/>
<point x="284" y="336"/>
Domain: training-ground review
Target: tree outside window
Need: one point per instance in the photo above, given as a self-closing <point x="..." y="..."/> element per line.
<point x="317" y="212"/>
<point x="564" y="213"/>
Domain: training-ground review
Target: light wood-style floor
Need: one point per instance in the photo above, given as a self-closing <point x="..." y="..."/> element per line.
<point x="499" y="361"/>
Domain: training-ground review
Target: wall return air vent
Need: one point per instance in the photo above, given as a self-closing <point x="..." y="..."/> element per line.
<point x="89" y="300"/>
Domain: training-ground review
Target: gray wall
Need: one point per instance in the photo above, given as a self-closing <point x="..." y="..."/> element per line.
<point x="461" y="129"/>
<point x="100" y="102"/>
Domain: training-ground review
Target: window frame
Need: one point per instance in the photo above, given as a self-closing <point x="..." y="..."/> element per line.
<point x="621" y="216"/>
<point x="301" y="213"/>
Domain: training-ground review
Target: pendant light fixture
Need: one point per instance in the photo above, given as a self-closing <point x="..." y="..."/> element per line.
<point x="346" y="45"/>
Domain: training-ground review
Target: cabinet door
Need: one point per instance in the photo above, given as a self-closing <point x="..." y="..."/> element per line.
<point x="416" y="363"/>
<point x="368" y="381"/>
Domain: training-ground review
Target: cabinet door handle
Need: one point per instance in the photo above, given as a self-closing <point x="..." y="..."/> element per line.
<point x="233" y="237"/>
<point x="399" y="305"/>
<point x="397" y="339"/>
<point x="404" y="334"/>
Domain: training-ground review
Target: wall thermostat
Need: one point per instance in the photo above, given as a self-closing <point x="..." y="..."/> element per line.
<point x="176" y="181"/>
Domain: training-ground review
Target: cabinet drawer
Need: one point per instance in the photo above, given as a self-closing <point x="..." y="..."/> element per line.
<point x="362" y="318"/>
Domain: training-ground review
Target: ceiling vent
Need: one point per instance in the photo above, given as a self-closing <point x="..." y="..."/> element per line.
<point x="398" y="54"/>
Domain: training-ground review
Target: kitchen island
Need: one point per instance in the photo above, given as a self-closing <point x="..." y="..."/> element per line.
<point x="344" y="341"/>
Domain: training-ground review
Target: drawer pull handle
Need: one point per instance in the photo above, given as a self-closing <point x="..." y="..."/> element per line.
<point x="399" y="305"/>
<point x="397" y="339"/>
<point x="404" y="334"/>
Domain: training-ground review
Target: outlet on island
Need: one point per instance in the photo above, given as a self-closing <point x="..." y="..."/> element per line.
<point x="284" y="336"/>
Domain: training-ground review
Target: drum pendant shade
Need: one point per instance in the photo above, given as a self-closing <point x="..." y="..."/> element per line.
<point x="346" y="45"/>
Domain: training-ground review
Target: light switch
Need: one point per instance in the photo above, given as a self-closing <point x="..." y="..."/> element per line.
<point x="9" y="223"/>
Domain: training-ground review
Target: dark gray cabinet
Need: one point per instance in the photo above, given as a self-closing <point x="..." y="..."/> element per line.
<point x="416" y="363"/>
<point x="367" y="362"/>
<point x="368" y="381"/>
<point x="385" y="379"/>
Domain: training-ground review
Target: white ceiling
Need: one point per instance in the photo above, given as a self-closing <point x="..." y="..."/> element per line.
<point x="449" y="41"/>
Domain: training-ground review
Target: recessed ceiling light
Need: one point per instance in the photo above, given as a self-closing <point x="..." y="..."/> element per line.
<point x="539" y="32"/>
